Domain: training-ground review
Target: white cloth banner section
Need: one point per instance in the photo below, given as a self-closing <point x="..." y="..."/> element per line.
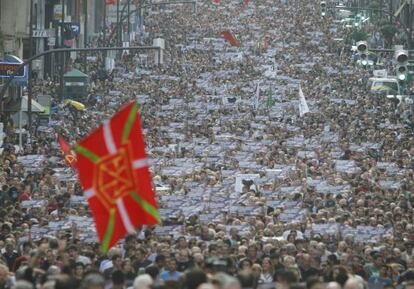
<point x="124" y="216"/>
<point x="256" y="101"/>
<point x="141" y="163"/>
<point x="303" y="105"/>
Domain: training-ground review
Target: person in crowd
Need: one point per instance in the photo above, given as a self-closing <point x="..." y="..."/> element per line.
<point x="328" y="201"/>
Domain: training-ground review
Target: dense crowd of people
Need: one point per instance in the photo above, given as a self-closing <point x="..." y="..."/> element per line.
<point x="251" y="193"/>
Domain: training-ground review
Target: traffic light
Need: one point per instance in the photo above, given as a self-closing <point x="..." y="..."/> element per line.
<point x="356" y="20"/>
<point x="401" y="58"/>
<point x="323" y="8"/>
<point x="362" y="49"/>
<point x="68" y="35"/>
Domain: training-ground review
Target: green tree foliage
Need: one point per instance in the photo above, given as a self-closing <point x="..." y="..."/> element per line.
<point x="388" y="32"/>
<point x="356" y="35"/>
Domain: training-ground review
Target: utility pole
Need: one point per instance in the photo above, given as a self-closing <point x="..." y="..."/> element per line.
<point x="104" y="36"/>
<point x="104" y="24"/>
<point x="85" y="22"/>
<point x="410" y="23"/>
<point x="30" y="80"/>
<point x="62" y="60"/>
<point x="129" y="20"/>
<point x="380" y="8"/>
<point x="85" y="32"/>
<point x="118" y="25"/>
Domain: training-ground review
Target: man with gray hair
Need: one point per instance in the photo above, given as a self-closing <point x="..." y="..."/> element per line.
<point x="93" y="281"/>
<point x="224" y="281"/>
<point x="354" y="283"/>
<point x="143" y="281"/>
<point x="21" y="284"/>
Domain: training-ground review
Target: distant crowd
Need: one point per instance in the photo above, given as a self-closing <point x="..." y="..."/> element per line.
<point x="346" y="126"/>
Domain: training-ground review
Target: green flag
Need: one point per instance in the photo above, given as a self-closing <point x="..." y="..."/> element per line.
<point x="270" y="98"/>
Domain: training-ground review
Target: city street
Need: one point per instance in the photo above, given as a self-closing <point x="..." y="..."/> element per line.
<point x="279" y="142"/>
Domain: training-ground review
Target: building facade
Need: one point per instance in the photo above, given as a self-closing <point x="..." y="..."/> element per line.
<point x="47" y="18"/>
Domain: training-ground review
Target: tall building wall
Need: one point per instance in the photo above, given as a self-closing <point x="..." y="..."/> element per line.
<point x="14" y="25"/>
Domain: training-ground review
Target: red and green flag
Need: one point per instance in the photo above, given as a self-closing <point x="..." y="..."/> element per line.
<point x="67" y="152"/>
<point x="229" y="37"/>
<point x="113" y="171"/>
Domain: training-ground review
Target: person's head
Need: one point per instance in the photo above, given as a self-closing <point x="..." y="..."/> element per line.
<point x="340" y="275"/>
<point x="333" y="285"/>
<point x="409" y="285"/>
<point x="252" y="252"/>
<point x="4" y="273"/>
<point x="256" y="270"/>
<point x="73" y="251"/>
<point x="118" y="278"/>
<point x="140" y="254"/>
<point x="79" y="269"/>
<point x="63" y="281"/>
<point x="354" y="283"/>
<point x="22" y="284"/>
<point x="377" y="259"/>
<point x="172" y="265"/>
<point x="183" y="256"/>
<point x="332" y="260"/>
<point x="93" y="281"/>
<point x="275" y="257"/>
<point x="314" y="283"/>
<point x="245" y="264"/>
<point x="198" y="259"/>
<point x="153" y="271"/>
<point x="267" y="264"/>
<point x="224" y="281"/>
<point x="289" y="261"/>
<point x="234" y="232"/>
<point x="287" y="277"/>
<point x="305" y="260"/>
<point x="26" y="273"/>
<point x="182" y="243"/>
<point x="143" y="281"/>
<point x="54" y="271"/>
<point x="117" y="261"/>
<point x="9" y="246"/>
<point x="160" y="261"/>
<point x="194" y="278"/>
<point x="246" y="279"/>
<point x="384" y="269"/>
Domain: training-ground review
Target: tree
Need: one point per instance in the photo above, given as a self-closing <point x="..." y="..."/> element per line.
<point x="388" y="32"/>
<point x="375" y="11"/>
<point x="359" y="35"/>
<point x="355" y="36"/>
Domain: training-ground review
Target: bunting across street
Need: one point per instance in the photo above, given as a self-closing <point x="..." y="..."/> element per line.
<point x="113" y="171"/>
